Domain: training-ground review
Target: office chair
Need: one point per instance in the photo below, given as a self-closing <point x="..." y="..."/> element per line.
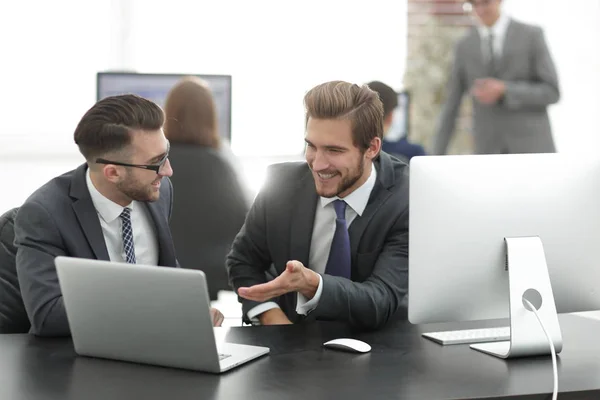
<point x="13" y="317"/>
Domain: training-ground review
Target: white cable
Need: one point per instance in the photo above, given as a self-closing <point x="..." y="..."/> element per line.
<point x="552" y="350"/>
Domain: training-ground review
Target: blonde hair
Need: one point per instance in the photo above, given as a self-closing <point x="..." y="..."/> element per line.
<point x="191" y="114"/>
<point x="342" y="100"/>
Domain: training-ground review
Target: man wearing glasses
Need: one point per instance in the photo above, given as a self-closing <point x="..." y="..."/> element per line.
<point x="508" y="71"/>
<point x="114" y="207"/>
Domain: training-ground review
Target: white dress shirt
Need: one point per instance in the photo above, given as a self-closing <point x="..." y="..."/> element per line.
<point x="322" y="236"/>
<point x="499" y="31"/>
<point x="144" y="231"/>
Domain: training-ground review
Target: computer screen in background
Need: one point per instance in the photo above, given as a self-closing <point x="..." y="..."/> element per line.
<point x="155" y="87"/>
<point x="400" y="119"/>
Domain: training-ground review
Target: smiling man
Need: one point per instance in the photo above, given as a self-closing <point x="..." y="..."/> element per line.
<point x="114" y="207"/>
<point x="334" y="230"/>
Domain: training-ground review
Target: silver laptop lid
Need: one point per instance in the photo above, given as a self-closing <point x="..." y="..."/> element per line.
<point x="146" y="314"/>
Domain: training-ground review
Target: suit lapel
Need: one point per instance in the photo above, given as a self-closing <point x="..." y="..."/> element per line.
<point x="509" y="38"/>
<point x="379" y="194"/>
<point x="359" y="225"/>
<point x="86" y="214"/>
<point x="303" y="218"/>
<point x="166" y="253"/>
<point x="475" y="45"/>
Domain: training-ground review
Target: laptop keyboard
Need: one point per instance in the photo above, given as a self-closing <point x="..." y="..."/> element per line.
<point x="223" y="356"/>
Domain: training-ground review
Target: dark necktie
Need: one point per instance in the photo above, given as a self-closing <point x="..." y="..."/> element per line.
<point x="491" y="55"/>
<point x="338" y="263"/>
<point x="127" y="234"/>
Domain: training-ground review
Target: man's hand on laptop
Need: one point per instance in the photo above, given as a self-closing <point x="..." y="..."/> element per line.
<point x="295" y="278"/>
<point x="216" y="316"/>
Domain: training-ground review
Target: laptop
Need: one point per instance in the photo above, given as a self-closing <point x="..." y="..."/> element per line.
<point x="145" y="314"/>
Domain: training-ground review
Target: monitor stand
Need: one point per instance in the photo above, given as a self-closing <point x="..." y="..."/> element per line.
<point x="528" y="278"/>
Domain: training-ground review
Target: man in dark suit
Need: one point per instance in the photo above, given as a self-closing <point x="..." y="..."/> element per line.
<point x="506" y="68"/>
<point x="335" y="229"/>
<point x="115" y="207"/>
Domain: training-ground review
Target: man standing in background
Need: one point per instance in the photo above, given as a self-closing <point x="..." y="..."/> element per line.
<point x="507" y="69"/>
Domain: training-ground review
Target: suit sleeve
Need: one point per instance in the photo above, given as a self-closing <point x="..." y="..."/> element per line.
<point x="249" y="257"/>
<point x="447" y="119"/>
<point x="171" y="194"/>
<point x="38" y="242"/>
<point x="370" y="304"/>
<point x="540" y="91"/>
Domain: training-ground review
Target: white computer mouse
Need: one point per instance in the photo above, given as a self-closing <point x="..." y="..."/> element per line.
<point x="345" y="344"/>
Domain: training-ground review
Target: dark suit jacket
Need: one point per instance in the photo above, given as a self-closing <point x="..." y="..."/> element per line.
<point x="519" y="123"/>
<point x="13" y="317"/>
<point x="403" y="149"/>
<point x="208" y="211"/>
<point x="59" y="219"/>
<point x="279" y="228"/>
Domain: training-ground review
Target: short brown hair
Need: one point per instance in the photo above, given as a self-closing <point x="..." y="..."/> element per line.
<point x="342" y="100"/>
<point x="107" y="126"/>
<point x="191" y="114"/>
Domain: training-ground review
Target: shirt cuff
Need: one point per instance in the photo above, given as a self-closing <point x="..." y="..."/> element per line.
<point x="305" y="306"/>
<point x="259" y="309"/>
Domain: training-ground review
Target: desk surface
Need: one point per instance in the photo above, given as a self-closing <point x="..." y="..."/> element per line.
<point x="401" y="365"/>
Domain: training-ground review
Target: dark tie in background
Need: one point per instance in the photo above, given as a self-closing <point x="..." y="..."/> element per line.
<point x="127" y="234"/>
<point x="338" y="263"/>
<point x="491" y="55"/>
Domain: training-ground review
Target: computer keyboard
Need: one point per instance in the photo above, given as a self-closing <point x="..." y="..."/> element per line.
<point x="470" y="336"/>
<point x="223" y="356"/>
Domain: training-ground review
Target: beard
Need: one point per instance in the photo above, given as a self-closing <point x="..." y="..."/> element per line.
<point x="348" y="181"/>
<point x="138" y="191"/>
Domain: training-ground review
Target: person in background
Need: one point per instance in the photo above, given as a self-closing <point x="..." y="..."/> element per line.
<point x="334" y="229"/>
<point x="115" y="207"/>
<point x="506" y="68"/>
<point x="212" y="200"/>
<point x="401" y="147"/>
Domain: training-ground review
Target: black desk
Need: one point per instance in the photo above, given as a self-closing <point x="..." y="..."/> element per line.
<point x="402" y="365"/>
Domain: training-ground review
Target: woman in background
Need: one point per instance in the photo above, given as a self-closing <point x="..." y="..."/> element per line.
<point x="210" y="198"/>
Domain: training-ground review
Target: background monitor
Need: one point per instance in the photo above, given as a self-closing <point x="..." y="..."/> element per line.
<point x="462" y="208"/>
<point x="155" y="87"/>
<point x="401" y="118"/>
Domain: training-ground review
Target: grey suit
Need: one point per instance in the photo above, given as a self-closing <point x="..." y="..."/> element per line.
<point x="519" y="123"/>
<point x="279" y="228"/>
<point x="60" y="219"/>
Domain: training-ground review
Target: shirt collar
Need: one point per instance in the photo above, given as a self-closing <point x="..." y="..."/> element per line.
<point x="499" y="28"/>
<point x="108" y="209"/>
<point x="359" y="198"/>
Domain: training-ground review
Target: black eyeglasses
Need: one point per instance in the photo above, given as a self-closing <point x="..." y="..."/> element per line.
<point x="153" y="167"/>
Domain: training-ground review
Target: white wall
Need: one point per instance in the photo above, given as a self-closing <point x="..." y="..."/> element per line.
<point x="573" y="34"/>
<point x="50" y="53"/>
<point x="275" y="50"/>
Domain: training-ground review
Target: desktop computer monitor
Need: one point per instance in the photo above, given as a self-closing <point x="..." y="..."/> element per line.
<point x="463" y="207"/>
<point x="155" y="87"/>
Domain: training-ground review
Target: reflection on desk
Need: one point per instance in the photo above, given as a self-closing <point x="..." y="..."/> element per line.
<point x="401" y="365"/>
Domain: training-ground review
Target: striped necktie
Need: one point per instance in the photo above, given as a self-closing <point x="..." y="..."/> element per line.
<point x="127" y="234"/>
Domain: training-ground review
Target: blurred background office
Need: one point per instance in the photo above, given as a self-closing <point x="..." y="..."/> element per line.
<point x="212" y="199"/>
<point x="273" y="52"/>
